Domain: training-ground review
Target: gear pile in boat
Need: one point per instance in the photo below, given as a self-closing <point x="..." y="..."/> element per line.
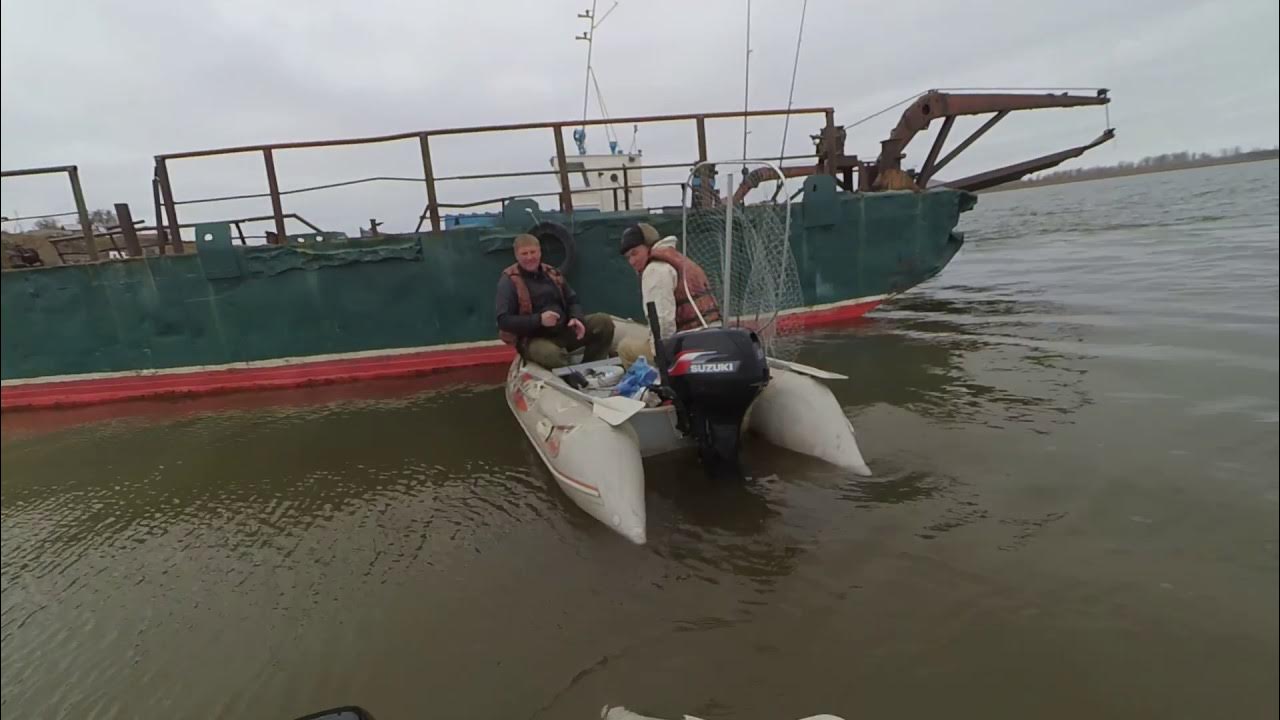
<point x="711" y="376"/>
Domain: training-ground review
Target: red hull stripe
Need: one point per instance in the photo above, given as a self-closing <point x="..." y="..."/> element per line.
<point x="70" y="392"/>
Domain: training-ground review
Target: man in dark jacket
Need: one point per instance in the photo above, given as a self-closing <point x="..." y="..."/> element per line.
<point x="539" y="314"/>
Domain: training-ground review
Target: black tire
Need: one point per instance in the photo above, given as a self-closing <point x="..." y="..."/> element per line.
<point x="554" y="232"/>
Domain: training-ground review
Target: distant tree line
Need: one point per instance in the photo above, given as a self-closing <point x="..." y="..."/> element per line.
<point x="1151" y="163"/>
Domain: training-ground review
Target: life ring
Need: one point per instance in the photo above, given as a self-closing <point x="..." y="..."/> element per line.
<point x="548" y="231"/>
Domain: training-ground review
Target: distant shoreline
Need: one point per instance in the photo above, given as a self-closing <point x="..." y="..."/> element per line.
<point x="1103" y="173"/>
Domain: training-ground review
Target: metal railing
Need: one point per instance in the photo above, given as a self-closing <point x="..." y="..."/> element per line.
<point x="167" y="205"/>
<point x="82" y="210"/>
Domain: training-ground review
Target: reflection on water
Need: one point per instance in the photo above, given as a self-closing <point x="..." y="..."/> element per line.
<point x="918" y="357"/>
<point x="1073" y="434"/>
<point x="715" y="528"/>
<point x="895" y="490"/>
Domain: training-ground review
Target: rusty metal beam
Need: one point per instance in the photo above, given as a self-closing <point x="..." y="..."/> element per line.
<point x="77" y="192"/>
<point x="155" y="199"/>
<point x="37" y="171"/>
<point x="439" y="179"/>
<point x="1009" y="173"/>
<point x="108" y="233"/>
<point x="171" y="210"/>
<point x="553" y="194"/>
<point x="57" y="247"/>
<point x="125" y="218"/>
<point x="428" y="174"/>
<point x="260" y="218"/>
<point x="303" y="220"/>
<point x="704" y="172"/>
<point x="494" y="128"/>
<point x="935" y="104"/>
<point x="980" y="103"/>
<point x="963" y="145"/>
<point x="765" y="174"/>
<point x="86" y="227"/>
<point x="927" y="169"/>
<point x="277" y="211"/>
<point x="24" y="218"/>
<point x="829" y="137"/>
<point x="566" y="198"/>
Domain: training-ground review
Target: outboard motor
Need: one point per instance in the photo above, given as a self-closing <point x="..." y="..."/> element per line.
<point x="714" y="375"/>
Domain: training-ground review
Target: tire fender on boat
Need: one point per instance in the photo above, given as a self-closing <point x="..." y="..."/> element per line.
<point x="547" y="231"/>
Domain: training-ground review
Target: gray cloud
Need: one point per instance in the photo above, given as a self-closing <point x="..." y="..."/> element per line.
<point x="107" y="85"/>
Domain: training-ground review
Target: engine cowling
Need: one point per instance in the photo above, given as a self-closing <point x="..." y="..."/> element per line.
<point x="717" y="373"/>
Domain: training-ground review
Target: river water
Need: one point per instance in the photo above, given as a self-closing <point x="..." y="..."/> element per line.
<point x="1074" y="514"/>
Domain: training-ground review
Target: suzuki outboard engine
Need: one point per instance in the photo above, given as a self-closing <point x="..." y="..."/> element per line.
<point x="713" y="376"/>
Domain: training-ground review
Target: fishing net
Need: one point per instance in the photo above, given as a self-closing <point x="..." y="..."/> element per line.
<point x="742" y="242"/>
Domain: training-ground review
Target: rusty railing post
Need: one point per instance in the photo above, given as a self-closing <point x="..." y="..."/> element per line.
<point x="276" y="211"/>
<point x="566" y="199"/>
<point x="927" y="170"/>
<point x="626" y="190"/>
<point x="704" y="172"/>
<point x="86" y="227"/>
<point x="171" y="209"/>
<point x="969" y="140"/>
<point x="130" y="233"/>
<point x="155" y="200"/>
<point x="829" y="134"/>
<point x="433" y="208"/>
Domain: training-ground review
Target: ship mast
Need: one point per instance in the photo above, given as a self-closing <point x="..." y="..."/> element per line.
<point x="580" y="135"/>
<point x="746" y="82"/>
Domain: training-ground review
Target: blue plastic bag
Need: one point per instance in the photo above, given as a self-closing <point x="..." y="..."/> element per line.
<point x="637" y="379"/>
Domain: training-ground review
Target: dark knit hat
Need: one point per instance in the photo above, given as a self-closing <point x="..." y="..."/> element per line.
<point x="632" y="237"/>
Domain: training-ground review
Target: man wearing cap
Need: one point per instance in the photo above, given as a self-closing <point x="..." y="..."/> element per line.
<point x="539" y="314"/>
<point x="676" y="285"/>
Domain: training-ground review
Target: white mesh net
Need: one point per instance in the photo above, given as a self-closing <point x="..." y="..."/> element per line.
<point x="762" y="280"/>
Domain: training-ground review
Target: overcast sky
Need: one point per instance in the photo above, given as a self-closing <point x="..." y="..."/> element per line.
<point x="108" y="85"/>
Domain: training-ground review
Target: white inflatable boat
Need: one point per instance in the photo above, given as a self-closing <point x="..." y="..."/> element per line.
<point x="718" y="384"/>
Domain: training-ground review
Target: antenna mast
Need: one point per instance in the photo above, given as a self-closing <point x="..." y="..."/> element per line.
<point x="580" y="135"/>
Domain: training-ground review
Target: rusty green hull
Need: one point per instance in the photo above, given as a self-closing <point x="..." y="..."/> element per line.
<point x="229" y="309"/>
